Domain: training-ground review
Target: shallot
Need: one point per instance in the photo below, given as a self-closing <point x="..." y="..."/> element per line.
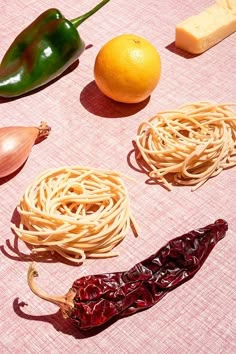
<point x="16" y="143"/>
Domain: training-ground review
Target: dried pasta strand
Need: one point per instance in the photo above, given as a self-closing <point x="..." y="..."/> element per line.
<point x="77" y="212"/>
<point x="193" y="143"/>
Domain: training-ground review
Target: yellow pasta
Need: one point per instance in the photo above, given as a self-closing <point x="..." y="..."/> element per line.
<point x="190" y="144"/>
<point x="76" y="212"/>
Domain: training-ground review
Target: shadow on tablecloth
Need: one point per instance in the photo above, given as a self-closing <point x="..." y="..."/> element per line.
<point x="98" y="104"/>
<point x="17" y="250"/>
<point x="58" y="322"/>
<point x="138" y="164"/>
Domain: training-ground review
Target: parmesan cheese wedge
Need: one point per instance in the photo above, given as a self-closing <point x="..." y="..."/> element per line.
<point x="198" y="33"/>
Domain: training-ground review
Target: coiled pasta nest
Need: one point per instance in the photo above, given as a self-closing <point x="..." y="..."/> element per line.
<point x="192" y="143"/>
<point x="77" y="212"/>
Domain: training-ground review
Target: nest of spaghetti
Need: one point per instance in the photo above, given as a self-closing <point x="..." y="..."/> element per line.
<point x="76" y="212"/>
<point x="188" y="145"/>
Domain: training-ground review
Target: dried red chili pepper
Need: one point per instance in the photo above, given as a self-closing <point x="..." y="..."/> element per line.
<point x="95" y="299"/>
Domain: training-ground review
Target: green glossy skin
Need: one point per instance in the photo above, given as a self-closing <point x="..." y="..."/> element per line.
<point x="40" y="53"/>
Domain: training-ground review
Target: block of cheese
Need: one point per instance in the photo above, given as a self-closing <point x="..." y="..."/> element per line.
<point x="198" y="33"/>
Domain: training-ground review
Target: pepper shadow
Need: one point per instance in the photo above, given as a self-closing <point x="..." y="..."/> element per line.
<point x="58" y="322"/>
<point x="94" y="101"/>
<point x="71" y="68"/>
<point x="172" y="48"/>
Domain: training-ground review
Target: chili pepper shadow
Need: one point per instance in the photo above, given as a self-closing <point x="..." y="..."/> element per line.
<point x="58" y="322"/>
<point x="172" y="48"/>
<point x="71" y="68"/>
<point x="137" y="163"/>
<point x="98" y="104"/>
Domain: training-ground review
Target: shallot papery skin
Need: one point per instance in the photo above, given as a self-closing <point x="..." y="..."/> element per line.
<point x="96" y="299"/>
<point x="16" y="143"/>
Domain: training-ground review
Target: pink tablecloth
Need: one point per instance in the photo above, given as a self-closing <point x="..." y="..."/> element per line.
<point x="88" y="129"/>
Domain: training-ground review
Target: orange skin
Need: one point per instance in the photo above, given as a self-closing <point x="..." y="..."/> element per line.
<point x="127" y="68"/>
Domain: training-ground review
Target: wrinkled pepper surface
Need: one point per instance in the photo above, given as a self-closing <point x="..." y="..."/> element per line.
<point x="42" y="52"/>
<point x="96" y="299"/>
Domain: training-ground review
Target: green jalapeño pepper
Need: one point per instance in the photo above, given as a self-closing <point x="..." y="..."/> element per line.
<point x="42" y="52"/>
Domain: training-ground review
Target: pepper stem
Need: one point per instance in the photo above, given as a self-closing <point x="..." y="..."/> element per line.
<point x="65" y="302"/>
<point x="78" y="20"/>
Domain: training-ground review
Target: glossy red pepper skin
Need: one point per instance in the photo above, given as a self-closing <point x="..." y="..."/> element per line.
<point x="99" y="298"/>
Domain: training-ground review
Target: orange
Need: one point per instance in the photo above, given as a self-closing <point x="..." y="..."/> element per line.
<point x="127" y="68"/>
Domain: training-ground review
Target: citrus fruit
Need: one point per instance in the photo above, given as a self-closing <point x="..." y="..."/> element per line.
<point x="127" y="68"/>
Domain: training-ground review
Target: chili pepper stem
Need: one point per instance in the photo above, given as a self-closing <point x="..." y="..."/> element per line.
<point x="65" y="302"/>
<point x="78" y="20"/>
